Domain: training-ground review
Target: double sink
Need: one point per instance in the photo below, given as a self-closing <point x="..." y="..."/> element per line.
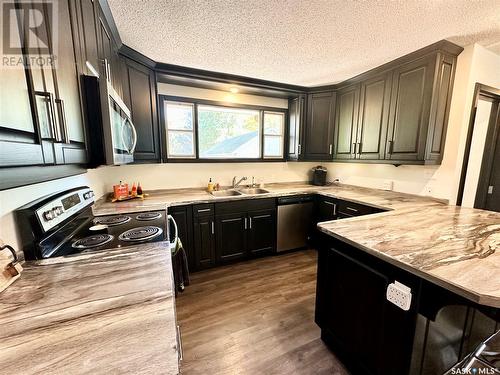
<point x="236" y="192"/>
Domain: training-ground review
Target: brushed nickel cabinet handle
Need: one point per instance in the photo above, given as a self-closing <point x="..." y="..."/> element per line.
<point x="331" y="149"/>
<point x="213" y="228"/>
<point x="391" y="147"/>
<point x="351" y="209"/>
<point x="250" y="222"/>
<point x="63" y="124"/>
<point x="179" y="340"/>
<point x="204" y="210"/>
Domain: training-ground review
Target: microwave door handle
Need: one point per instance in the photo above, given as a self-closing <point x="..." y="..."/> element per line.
<point x="134" y="134"/>
<point x="132" y="150"/>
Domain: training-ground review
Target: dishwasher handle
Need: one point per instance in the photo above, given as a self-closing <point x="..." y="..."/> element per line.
<point x="294" y="200"/>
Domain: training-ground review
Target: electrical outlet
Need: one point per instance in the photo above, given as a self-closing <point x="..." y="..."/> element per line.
<point x="388" y="185"/>
<point x="400" y="295"/>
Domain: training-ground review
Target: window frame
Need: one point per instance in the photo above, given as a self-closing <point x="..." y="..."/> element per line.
<point x="193" y="131"/>
<point x="196" y="159"/>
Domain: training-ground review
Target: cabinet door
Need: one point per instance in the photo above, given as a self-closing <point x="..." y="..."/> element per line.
<point x="296" y="112"/>
<point x="204" y="242"/>
<point x="326" y="209"/>
<point x="87" y="19"/>
<point x="68" y="105"/>
<point x="374" y="336"/>
<point x="140" y="92"/>
<point x="261" y="232"/>
<point x="410" y="110"/>
<point x="231" y="234"/>
<point x="355" y="307"/>
<point x="319" y="129"/>
<point x="105" y="50"/>
<point x="184" y="219"/>
<point x="346" y="122"/>
<point x="27" y="122"/>
<point x="373" y="117"/>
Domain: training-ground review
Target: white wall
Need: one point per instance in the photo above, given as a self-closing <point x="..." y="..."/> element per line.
<point x="485" y="69"/>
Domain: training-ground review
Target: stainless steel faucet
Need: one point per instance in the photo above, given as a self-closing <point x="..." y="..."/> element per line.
<point x="236" y="184"/>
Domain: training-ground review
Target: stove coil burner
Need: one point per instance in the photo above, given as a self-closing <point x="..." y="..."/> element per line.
<point x="112" y="220"/>
<point x="140" y="234"/>
<point x="148" y="216"/>
<point x="92" y="241"/>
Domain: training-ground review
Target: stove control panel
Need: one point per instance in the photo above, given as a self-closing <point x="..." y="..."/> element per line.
<point x="63" y="207"/>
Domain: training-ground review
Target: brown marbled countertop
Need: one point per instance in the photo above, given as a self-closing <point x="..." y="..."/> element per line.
<point x="102" y="312"/>
<point x="456" y="248"/>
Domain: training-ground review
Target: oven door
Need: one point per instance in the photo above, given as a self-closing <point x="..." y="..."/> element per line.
<point x="123" y="133"/>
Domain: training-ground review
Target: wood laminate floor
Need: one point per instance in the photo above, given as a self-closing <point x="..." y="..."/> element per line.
<point x="255" y="317"/>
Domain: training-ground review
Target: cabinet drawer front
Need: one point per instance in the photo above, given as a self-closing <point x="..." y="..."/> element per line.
<point x="203" y="209"/>
<point x="346" y="208"/>
<point x="244" y="205"/>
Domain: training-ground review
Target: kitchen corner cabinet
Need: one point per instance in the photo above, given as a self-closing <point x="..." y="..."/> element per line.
<point x="139" y="94"/>
<point x="319" y="126"/>
<point x="296" y="123"/>
<point x="421" y="95"/>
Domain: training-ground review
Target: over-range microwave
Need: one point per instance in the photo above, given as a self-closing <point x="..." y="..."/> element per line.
<point x="112" y="135"/>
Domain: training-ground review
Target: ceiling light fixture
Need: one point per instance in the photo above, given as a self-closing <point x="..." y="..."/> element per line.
<point x="234" y="90"/>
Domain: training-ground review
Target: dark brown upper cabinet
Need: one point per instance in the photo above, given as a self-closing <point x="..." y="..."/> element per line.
<point x="139" y="94"/>
<point x="21" y="135"/>
<point x="373" y="117"/>
<point x="440" y="107"/>
<point x="410" y="110"/>
<point x="296" y="124"/>
<point x="346" y="123"/>
<point x="87" y="16"/>
<point x="68" y="104"/>
<point x="319" y="126"/>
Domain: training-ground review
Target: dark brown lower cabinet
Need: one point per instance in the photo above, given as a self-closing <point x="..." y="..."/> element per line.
<point x="261" y="236"/>
<point x="368" y="333"/>
<point x="326" y="209"/>
<point x="204" y="241"/>
<point x="231" y="233"/>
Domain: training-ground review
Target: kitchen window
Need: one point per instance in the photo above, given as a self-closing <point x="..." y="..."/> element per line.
<point x="180" y="129"/>
<point x="204" y="130"/>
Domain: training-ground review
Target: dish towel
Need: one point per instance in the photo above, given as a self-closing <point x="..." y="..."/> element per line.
<point x="180" y="267"/>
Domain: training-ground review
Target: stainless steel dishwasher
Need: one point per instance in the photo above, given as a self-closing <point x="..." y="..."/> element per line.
<point x="295" y="216"/>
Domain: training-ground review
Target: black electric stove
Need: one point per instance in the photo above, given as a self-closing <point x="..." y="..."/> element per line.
<point x="63" y="224"/>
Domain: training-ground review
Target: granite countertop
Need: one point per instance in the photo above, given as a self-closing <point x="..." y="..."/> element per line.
<point x="159" y="199"/>
<point x="454" y="247"/>
<point x="109" y="311"/>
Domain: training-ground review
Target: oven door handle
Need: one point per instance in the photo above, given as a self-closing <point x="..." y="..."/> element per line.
<point x="174" y="242"/>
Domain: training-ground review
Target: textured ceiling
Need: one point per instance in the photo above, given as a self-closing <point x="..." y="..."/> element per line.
<point x="303" y="42"/>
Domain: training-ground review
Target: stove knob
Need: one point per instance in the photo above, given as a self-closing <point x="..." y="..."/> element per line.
<point x="58" y="210"/>
<point x="88" y="195"/>
<point x="48" y="215"/>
